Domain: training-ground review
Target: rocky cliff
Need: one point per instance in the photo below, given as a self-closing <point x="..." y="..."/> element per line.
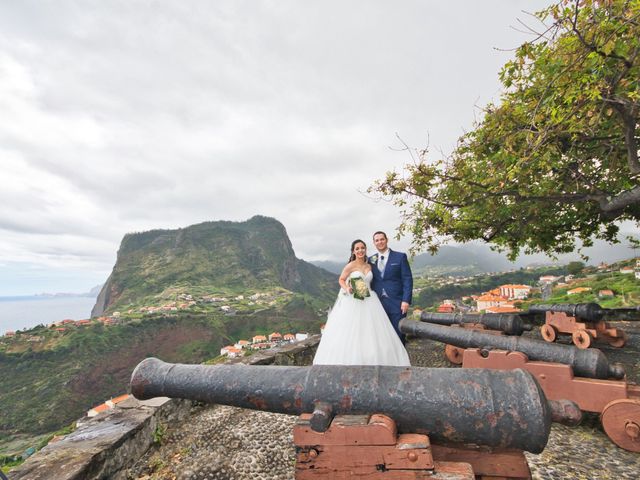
<point x="217" y="255"/>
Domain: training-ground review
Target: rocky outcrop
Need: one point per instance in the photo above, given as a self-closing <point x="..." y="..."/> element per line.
<point x="255" y="254"/>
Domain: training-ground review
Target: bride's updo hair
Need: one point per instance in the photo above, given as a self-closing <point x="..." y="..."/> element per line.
<point x="353" y="245"/>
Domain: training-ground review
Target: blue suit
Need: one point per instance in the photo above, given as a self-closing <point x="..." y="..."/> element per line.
<point x="393" y="286"/>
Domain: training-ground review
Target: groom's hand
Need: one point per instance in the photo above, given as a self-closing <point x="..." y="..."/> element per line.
<point x="404" y="307"/>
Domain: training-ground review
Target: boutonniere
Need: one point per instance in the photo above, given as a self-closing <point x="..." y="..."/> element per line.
<point x="373" y="258"/>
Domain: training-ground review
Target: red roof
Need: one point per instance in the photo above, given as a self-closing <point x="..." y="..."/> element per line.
<point x="491" y="298"/>
<point x="120" y="398"/>
<point x="101" y="408"/>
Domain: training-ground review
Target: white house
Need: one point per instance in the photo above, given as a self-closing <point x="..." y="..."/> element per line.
<point x="515" y="292"/>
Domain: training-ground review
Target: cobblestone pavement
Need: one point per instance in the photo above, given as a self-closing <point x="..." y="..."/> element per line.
<point x="219" y="442"/>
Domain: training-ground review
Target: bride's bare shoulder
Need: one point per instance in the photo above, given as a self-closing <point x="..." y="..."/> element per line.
<point x="348" y="268"/>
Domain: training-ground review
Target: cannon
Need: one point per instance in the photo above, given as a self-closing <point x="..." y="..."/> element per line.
<point x="453" y="406"/>
<point x="510" y="324"/>
<point x="590" y="363"/>
<point x="617" y="401"/>
<point x="584" y="322"/>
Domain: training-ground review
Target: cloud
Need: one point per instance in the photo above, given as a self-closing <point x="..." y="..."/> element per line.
<point x="125" y="116"/>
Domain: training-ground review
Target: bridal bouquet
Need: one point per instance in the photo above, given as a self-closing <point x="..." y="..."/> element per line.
<point x="359" y="287"/>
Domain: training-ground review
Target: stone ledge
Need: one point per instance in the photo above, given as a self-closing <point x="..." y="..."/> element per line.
<point x="103" y="445"/>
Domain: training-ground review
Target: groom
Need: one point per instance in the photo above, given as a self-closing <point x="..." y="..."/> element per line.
<point x="392" y="280"/>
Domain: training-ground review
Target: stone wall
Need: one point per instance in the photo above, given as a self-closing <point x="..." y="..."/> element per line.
<point x="106" y="445"/>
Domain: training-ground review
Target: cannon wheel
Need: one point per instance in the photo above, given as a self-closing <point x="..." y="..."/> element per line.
<point x="549" y="332"/>
<point x="621" y="422"/>
<point x="454" y="354"/>
<point x="582" y="339"/>
<point x="618" y="342"/>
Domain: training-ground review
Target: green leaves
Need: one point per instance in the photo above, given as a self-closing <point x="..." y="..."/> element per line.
<point x="554" y="160"/>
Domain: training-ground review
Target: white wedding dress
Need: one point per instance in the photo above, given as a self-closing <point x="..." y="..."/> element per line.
<point x="358" y="332"/>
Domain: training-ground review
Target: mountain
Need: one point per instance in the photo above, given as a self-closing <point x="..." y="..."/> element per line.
<point x="182" y="295"/>
<point x="221" y="256"/>
<point x="330" y="266"/>
<point x="472" y="257"/>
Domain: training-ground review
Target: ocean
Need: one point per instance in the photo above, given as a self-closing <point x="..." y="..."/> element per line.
<point x="18" y="313"/>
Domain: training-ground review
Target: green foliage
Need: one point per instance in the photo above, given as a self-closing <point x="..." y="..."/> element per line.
<point x="431" y="293"/>
<point x="84" y="366"/>
<point x="625" y="287"/>
<point x="159" y="433"/>
<point x="212" y="257"/>
<point x="556" y="159"/>
<point x="574" y="268"/>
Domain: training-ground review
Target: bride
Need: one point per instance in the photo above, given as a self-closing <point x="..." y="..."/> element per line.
<point x="358" y="331"/>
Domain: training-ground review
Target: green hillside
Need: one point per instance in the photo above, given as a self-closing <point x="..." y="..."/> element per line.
<point x="220" y="257"/>
<point x="179" y="295"/>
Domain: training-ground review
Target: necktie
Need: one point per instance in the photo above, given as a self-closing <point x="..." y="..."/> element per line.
<point x="381" y="264"/>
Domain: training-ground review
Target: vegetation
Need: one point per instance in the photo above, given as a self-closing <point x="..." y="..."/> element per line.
<point x="556" y="159"/>
<point x="432" y="291"/>
<point x="217" y="258"/>
<point x="169" y="288"/>
<point x="625" y="288"/>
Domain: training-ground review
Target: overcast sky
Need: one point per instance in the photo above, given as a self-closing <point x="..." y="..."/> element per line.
<point x="123" y="116"/>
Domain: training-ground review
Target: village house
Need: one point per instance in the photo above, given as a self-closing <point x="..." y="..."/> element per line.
<point x="10" y="333"/>
<point x="96" y="410"/>
<point x="114" y="401"/>
<point x="275" y="337"/>
<point x="258" y="339"/>
<point x="578" y="290"/>
<point x="302" y="336"/>
<point x="107" y="405"/>
<point x="545" y="279"/>
<point x="514" y="292"/>
<point x="606" y="294"/>
<point x="230" y="351"/>
<point x="627" y="270"/>
<point x="446" y="307"/>
<point x="289" y="337"/>
<point x="106" y="320"/>
<point x="488" y="300"/>
<point x="242" y="344"/>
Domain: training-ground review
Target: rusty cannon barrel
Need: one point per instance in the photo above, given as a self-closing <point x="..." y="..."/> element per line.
<point x="510" y="323"/>
<point x="589" y="362"/>
<point x="591" y="312"/>
<point x="485" y="407"/>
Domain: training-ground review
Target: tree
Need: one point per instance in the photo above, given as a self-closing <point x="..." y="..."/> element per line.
<point x="573" y="268"/>
<point x="556" y="159"/>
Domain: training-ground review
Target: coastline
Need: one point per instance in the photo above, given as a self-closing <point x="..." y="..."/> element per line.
<point x="26" y="312"/>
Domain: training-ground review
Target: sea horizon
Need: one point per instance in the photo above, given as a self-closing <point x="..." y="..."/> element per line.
<point x="20" y="312"/>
